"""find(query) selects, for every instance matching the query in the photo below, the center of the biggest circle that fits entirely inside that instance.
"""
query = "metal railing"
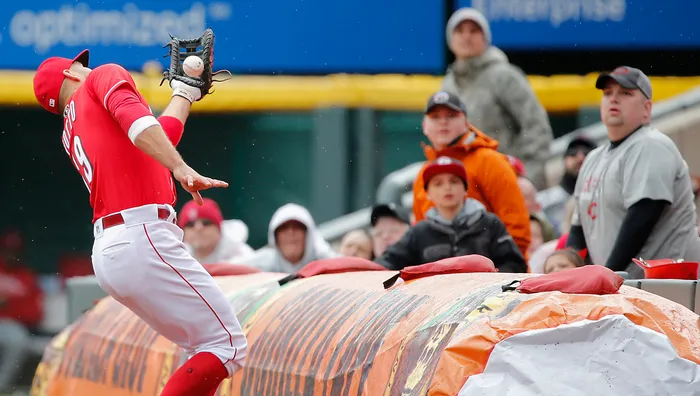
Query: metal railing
(396, 186)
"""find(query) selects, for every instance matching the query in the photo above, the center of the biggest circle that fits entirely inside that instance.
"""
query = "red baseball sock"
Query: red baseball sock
(199, 376)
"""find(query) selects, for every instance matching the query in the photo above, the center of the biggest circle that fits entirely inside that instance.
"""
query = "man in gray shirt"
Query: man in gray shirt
(633, 196)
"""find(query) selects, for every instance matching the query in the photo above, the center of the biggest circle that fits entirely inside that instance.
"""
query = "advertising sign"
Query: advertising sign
(590, 24)
(276, 36)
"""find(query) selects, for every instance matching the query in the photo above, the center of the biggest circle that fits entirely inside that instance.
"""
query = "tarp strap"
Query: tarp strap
(288, 279)
(512, 286)
(391, 281)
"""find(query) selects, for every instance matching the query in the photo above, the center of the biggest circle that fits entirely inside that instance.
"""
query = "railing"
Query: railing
(396, 186)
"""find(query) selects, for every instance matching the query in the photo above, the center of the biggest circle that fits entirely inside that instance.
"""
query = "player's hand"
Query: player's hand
(193, 182)
(192, 94)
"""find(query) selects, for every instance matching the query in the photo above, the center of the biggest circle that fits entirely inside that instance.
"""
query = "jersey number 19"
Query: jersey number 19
(75, 148)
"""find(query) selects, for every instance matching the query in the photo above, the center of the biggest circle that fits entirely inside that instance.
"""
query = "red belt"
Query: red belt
(117, 219)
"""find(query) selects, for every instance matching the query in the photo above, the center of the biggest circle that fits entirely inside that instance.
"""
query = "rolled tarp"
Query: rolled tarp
(344, 334)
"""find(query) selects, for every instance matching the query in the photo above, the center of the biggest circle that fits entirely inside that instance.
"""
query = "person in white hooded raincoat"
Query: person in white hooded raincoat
(293, 242)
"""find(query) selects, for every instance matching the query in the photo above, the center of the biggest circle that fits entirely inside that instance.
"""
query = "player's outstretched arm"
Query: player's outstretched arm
(179, 108)
(154, 142)
(175, 114)
(174, 117)
(146, 132)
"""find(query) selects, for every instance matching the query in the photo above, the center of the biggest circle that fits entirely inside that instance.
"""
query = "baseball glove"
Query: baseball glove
(203, 47)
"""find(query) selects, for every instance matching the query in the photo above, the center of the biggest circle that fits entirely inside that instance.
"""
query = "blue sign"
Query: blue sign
(591, 24)
(252, 36)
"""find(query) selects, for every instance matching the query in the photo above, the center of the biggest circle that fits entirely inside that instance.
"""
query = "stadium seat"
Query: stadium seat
(681, 291)
(83, 293)
(623, 274)
(632, 283)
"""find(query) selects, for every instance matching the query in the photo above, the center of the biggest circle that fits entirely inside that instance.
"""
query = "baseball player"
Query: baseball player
(125, 156)
(633, 196)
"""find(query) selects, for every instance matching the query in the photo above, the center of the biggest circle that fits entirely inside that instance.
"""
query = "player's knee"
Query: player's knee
(231, 357)
(231, 347)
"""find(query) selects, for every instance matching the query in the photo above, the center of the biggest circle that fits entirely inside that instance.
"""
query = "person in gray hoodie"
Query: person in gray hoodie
(455, 226)
(293, 242)
(497, 94)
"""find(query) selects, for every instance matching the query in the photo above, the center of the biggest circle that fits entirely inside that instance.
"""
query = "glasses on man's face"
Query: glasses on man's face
(572, 152)
(203, 222)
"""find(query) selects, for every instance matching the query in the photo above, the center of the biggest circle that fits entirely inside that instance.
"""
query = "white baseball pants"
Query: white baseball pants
(144, 265)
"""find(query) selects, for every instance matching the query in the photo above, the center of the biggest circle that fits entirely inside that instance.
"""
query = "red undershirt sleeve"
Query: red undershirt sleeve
(173, 127)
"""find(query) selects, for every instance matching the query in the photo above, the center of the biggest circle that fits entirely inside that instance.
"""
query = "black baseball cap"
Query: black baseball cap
(627, 77)
(446, 99)
(579, 142)
(389, 210)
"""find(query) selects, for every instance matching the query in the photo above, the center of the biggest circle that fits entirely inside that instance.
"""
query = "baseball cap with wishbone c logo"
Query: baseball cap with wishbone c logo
(49, 78)
(446, 99)
(444, 165)
(627, 77)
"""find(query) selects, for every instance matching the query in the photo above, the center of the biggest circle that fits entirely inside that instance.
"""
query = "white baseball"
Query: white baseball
(193, 66)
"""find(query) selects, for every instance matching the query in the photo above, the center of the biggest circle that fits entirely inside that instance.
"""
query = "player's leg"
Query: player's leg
(185, 377)
(199, 375)
(150, 271)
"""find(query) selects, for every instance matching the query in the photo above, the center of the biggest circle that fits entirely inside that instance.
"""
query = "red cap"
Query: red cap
(209, 210)
(518, 165)
(444, 165)
(49, 78)
(561, 242)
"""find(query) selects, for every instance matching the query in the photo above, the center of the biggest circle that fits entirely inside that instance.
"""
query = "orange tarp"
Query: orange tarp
(343, 334)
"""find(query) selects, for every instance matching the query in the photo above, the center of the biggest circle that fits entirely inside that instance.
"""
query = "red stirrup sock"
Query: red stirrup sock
(199, 376)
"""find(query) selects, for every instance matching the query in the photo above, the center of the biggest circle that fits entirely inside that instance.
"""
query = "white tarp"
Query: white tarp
(610, 356)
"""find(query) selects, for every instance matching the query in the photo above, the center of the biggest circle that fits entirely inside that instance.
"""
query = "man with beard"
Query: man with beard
(553, 200)
(634, 197)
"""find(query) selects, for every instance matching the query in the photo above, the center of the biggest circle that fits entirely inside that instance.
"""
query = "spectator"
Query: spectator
(389, 224)
(454, 227)
(568, 214)
(529, 194)
(562, 260)
(540, 255)
(293, 242)
(566, 226)
(540, 232)
(21, 308)
(554, 198)
(634, 196)
(536, 238)
(497, 94)
(517, 165)
(545, 227)
(492, 180)
(357, 243)
(204, 235)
